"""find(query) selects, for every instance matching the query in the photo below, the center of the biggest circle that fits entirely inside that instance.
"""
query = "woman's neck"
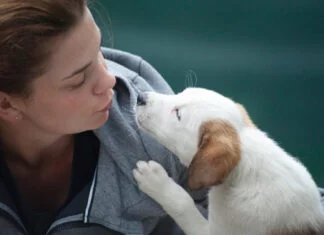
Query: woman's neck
(30, 147)
(40, 163)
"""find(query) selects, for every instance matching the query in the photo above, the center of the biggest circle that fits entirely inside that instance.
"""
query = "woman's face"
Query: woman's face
(75, 93)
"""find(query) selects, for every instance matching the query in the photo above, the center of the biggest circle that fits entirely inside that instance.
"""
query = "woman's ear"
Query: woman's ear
(218, 153)
(7, 110)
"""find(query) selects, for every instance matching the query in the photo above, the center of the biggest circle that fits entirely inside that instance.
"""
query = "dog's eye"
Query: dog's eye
(177, 111)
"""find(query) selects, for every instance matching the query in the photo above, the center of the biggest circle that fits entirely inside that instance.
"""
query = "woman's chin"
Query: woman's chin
(101, 120)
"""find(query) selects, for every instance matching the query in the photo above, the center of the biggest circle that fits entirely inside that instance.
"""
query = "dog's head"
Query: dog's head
(199, 126)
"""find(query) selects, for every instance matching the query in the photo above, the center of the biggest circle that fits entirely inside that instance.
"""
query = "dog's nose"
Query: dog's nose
(141, 99)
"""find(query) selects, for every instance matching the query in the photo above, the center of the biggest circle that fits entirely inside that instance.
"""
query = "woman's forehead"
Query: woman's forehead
(75, 48)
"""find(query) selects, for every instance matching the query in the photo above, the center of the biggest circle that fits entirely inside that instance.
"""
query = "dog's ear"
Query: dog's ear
(218, 153)
(247, 120)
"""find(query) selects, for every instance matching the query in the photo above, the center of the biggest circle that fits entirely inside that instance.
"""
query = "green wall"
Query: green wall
(268, 55)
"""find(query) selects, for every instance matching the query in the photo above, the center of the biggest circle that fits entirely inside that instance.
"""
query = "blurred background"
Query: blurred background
(267, 55)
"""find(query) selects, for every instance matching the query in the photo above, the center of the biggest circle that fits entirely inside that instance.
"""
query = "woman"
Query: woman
(68, 136)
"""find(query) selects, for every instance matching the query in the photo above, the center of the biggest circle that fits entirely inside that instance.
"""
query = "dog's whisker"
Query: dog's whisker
(191, 79)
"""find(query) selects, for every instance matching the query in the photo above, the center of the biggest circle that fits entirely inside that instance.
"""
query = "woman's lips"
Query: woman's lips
(107, 107)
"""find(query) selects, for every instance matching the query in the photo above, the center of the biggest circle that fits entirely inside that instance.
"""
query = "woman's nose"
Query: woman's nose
(105, 82)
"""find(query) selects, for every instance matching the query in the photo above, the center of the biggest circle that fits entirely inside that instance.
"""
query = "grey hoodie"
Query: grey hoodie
(113, 199)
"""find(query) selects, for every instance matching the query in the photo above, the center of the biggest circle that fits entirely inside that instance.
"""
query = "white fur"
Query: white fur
(268, 191)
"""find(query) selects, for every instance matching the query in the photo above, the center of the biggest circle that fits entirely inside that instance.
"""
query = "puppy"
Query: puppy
(256, 188)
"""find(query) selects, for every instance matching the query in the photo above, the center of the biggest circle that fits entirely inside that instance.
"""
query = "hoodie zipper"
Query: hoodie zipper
(79, 223)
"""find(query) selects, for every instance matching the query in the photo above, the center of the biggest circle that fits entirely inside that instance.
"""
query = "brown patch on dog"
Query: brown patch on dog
(218, 153)
(247, 120)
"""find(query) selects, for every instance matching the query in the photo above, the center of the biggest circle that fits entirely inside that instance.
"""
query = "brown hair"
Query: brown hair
(27, 28)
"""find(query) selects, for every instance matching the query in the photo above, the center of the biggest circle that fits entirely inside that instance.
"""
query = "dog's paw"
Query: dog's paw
(151, 178)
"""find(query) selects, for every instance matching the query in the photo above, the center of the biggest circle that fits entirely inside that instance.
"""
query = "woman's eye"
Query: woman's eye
(75, 86)
(177, 112)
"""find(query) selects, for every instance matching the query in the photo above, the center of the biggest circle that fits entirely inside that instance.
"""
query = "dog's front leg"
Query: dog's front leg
(154, 181)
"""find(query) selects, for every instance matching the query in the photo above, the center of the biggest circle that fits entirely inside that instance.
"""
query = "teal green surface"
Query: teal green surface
(268, 55)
